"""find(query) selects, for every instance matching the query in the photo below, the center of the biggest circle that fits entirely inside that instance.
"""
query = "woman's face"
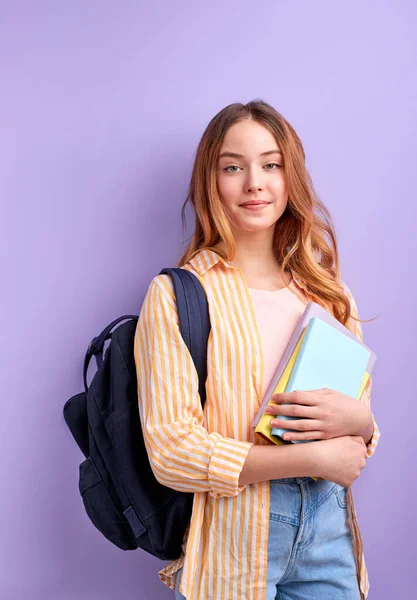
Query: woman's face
(253, 175)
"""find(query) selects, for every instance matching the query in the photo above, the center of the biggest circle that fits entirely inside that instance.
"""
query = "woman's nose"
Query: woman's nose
(254, 181)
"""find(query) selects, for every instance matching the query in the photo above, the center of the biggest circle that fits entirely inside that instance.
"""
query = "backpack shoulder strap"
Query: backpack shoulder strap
(194, 319)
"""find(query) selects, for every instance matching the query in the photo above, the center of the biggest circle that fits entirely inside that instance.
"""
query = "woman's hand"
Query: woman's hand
(324, 413)
(340, 460)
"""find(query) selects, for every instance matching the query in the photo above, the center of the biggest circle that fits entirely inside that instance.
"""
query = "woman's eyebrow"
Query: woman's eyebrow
(236, 155)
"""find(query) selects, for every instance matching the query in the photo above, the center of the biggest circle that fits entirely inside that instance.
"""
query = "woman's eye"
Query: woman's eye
(236, 167)
(276, 164)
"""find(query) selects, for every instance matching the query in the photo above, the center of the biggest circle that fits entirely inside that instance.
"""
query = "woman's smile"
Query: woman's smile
(256, 207)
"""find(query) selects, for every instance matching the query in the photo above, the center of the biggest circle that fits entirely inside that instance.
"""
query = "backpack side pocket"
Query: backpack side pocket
(101, 508)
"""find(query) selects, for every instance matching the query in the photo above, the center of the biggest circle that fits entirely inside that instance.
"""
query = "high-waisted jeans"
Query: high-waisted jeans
(310, 547)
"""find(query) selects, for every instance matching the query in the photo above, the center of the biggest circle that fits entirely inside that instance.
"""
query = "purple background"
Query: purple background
(101, 109)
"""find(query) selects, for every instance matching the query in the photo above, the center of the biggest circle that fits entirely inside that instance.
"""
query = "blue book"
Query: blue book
(327, 358)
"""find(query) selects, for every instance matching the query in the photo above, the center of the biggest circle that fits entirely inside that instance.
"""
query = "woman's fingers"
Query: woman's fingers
(308, 435)
(292, 410)
(296, 424)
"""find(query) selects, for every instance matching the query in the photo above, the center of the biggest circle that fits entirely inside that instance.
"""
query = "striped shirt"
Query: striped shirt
(225, 547)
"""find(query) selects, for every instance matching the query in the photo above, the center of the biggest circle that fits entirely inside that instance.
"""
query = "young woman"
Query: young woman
(263, 246)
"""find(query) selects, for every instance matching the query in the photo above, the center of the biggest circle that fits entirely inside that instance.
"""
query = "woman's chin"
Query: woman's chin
(255, 227)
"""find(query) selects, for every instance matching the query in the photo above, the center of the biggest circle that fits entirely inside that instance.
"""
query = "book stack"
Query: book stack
(322, 353)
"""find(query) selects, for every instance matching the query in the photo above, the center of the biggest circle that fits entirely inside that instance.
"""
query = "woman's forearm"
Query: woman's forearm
(264, 463)
(368, 431)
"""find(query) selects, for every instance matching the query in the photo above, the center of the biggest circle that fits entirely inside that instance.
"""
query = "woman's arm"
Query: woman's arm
(181, 452)
(371, 434)
(368, 430)
(272, 462)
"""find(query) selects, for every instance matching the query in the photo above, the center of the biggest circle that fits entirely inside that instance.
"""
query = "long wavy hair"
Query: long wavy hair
(304, 239)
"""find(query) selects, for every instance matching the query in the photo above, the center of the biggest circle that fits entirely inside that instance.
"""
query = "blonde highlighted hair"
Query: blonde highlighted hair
(304, 239)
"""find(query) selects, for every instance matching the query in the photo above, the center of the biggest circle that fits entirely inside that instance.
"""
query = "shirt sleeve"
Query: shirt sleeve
(183, 455)
(356, 328)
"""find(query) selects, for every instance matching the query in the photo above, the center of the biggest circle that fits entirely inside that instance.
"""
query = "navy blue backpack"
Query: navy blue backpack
(120, 493)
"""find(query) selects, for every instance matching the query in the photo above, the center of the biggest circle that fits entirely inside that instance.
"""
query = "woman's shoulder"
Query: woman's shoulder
(162, 285)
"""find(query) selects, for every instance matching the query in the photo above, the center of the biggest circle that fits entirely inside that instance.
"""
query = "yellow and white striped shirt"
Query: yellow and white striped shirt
(225, 547)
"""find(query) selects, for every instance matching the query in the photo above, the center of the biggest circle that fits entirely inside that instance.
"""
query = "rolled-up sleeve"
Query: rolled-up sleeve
(356, 327)
(183, 455)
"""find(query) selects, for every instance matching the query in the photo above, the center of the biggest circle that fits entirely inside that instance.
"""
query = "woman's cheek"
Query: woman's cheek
(228, 190)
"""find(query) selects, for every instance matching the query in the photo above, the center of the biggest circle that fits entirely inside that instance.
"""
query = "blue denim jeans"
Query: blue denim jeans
(310, 547)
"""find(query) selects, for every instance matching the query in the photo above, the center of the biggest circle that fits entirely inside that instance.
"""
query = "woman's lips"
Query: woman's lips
(255, 207)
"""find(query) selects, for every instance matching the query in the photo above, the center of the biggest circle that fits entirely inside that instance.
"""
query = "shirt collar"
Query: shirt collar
(206, 258)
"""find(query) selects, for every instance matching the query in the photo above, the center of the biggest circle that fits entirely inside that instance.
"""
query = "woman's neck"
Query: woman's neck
(259, 266)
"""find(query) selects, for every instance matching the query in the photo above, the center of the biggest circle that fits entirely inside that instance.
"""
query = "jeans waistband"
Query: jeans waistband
(289, 480)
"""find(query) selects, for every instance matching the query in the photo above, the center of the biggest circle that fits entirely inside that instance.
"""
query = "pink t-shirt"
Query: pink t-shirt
(277, 314)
